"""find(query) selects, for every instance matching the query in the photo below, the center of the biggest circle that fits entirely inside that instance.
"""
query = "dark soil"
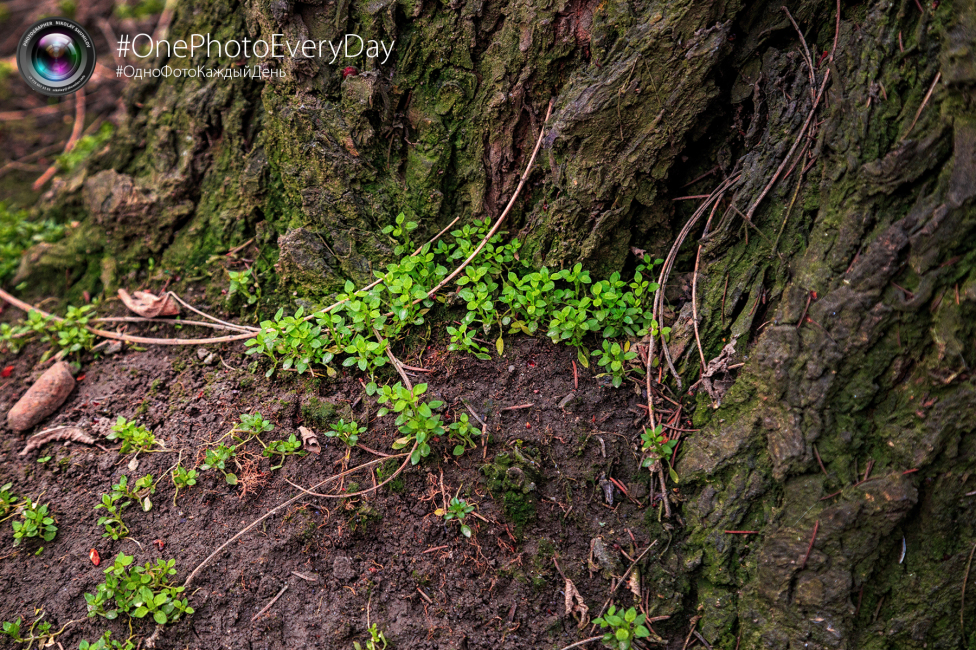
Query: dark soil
(383, 558)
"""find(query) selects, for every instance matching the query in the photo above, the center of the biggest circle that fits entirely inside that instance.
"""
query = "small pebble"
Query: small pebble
(511, 368)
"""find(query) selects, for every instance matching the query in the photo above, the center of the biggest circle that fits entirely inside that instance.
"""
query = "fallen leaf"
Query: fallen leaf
(6, 371)
(149, 306)
(634, 583)
(133, 464)
(575, 604)
(310, 441)
(93, 556)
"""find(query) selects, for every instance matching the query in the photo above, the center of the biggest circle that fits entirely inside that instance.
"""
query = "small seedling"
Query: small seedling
(39, 631)
(36, 523)
(245, 284)
(105, 642)
(457, 509)
(290, 447)
(8, 500)
(624, 628)
(134, 437)
(658, 448)
(218, 458)
(347, 432)
(183, 479)
(376, 640)
(613, 357)
(414, 418)
(254, 424)
(112, 521)
(463, 432)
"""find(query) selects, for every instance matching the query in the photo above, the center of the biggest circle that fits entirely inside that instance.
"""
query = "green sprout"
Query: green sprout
(36, 523)
(457, 509)
(376, 640)
(290, 447)
(624, 628)
(463, 432)
(614, 358)
(139, 592)
(658, 448)
(347, 432)
(218, 458)
(134, 437)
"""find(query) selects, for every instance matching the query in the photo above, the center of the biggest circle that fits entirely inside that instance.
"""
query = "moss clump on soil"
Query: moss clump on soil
(319, 413)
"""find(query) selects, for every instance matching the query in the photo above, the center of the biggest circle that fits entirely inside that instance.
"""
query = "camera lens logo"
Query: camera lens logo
(56, 56)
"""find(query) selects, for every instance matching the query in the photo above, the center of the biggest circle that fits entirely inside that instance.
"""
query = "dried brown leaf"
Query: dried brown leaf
(149, 306)
(575, 604)
(310, 441)
(58, 433)
(634, 583)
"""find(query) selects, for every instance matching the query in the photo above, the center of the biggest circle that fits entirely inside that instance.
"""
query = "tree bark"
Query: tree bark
(846, 289)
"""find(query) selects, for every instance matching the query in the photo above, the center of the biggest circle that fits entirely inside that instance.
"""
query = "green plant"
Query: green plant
(244, 283)
(401, 228)
(291, 340)
(13, 337)
(658, 448)
(614, 359)
(462, 340)
(376, 640)
(347, 432)
(8, 500)
(414, 418)
(138, 592)
(36, 523)
(39, 631)
(254, 424)
(112, 522)
(183, 479)
(624, 628)
(365, 353)
(134, 437)
(218, 458)
(290, 447)
(105, 642)
(457, 509)
(570, 324)
(463, 432)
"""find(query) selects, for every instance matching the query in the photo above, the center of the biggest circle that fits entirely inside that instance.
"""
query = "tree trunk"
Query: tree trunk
(847, 290)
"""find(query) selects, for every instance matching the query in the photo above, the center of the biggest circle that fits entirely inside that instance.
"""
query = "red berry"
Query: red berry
(350, 72)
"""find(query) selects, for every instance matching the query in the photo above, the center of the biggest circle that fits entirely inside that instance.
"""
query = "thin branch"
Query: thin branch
(76, 131)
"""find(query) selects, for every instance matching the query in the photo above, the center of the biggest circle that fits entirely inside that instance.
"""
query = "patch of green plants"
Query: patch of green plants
(139, 592)
(18, 233)
(39, 631)
(457, 509)
(134, 437)
(37, 522)
(376, 640)
(217, 458)
(183, 479)
(462, 432)
(658, 448)
(614, 359)
(106, 642)
(347, 432)
(622, 629)
(416, 419)
(291, 341)
(282, 449)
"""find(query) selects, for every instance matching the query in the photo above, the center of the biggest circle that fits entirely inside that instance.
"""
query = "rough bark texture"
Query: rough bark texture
(857, 331)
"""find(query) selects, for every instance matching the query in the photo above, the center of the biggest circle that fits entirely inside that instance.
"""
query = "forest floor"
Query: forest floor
(386, 558)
